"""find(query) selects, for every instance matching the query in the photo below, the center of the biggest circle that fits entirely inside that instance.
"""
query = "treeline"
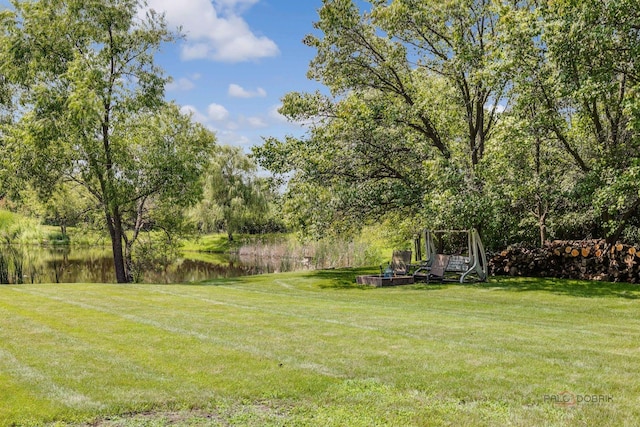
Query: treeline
(518, 118)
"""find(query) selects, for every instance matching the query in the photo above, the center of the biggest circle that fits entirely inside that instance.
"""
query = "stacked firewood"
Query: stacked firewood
(571, 259)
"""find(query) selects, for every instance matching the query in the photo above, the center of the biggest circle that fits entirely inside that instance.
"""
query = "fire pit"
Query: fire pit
(380, 280)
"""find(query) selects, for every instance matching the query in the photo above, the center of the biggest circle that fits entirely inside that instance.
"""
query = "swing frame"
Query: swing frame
(471, 267)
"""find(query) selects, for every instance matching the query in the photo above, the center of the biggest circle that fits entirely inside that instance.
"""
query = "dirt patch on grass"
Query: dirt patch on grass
(189, 418)
(260, 414)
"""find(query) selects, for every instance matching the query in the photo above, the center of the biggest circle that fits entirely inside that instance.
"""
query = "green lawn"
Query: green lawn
(314, 349)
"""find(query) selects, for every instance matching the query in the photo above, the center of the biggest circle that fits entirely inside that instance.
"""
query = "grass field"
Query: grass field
(313, 349)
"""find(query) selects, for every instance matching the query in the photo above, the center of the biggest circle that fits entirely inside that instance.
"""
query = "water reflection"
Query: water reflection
(34, 264)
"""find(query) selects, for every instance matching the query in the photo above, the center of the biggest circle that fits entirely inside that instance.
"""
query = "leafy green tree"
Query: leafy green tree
(163, 167)
(357, 163)
(93, 110)
(233, 195)
(414, 95)
(67, 205)
(6, 116)
(576, 61)
(418, 90)
(394, 47)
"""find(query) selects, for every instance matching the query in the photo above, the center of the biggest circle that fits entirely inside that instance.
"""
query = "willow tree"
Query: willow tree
(93, 110)
(234, 196)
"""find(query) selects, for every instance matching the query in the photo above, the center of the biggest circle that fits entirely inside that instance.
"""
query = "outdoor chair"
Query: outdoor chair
(400, 262)
(438, 268)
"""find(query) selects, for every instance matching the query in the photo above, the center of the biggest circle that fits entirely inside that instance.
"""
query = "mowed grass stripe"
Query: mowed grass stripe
(429, 319)
(61, 395)
(427, 327)
(190, 370)
(474, 355)
(140, 304)
(457, 336)
(64, 341)
(196, 331)
(103, 365)
(408, 299)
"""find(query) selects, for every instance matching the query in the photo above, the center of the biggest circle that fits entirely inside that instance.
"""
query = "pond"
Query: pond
(36, 264)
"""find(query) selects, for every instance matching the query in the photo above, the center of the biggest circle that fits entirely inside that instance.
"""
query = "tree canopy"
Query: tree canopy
(519, 118)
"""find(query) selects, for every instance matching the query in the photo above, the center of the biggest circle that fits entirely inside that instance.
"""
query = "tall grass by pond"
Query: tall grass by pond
(328, 253)
(12, 265)
(15, 228)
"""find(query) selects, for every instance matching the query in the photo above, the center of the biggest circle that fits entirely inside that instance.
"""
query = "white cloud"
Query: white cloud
(237, 131)
(182, 84)
(215, 30)
(217, 112)
(274, 114)
(257, 122)
(193, 111)
(238, 91)
(232, 126)
(226, 137)
(235, 4)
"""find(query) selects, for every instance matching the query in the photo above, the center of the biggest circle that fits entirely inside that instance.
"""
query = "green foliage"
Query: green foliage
(154, 253)
(94, 114)
(67, 205)
(517, 118)
(16, 228)
(411, 91)
(234, 196)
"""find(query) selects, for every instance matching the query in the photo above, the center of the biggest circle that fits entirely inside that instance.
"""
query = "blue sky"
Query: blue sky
(238, 59)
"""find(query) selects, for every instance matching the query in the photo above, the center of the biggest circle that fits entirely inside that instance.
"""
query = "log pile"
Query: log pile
(571, 259)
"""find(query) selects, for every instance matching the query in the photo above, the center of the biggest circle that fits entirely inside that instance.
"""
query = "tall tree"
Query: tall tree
(92, 91)
(415, 90)
(366, 162)
(393, 47)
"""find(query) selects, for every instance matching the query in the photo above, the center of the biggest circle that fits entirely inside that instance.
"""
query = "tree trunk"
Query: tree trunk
(543, 231)
(115, 232)
(128, 261)
(128, 242)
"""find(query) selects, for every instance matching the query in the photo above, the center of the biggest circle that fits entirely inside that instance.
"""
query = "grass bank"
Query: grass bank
(314, 349)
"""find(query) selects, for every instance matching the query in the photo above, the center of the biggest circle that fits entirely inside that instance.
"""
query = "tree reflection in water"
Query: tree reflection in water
(95, 265)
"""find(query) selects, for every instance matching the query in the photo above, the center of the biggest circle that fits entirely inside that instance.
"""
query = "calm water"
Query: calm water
(67, 265)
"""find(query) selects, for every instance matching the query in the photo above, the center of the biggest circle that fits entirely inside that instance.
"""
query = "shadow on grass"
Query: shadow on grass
(346, 279)
(577, 288)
